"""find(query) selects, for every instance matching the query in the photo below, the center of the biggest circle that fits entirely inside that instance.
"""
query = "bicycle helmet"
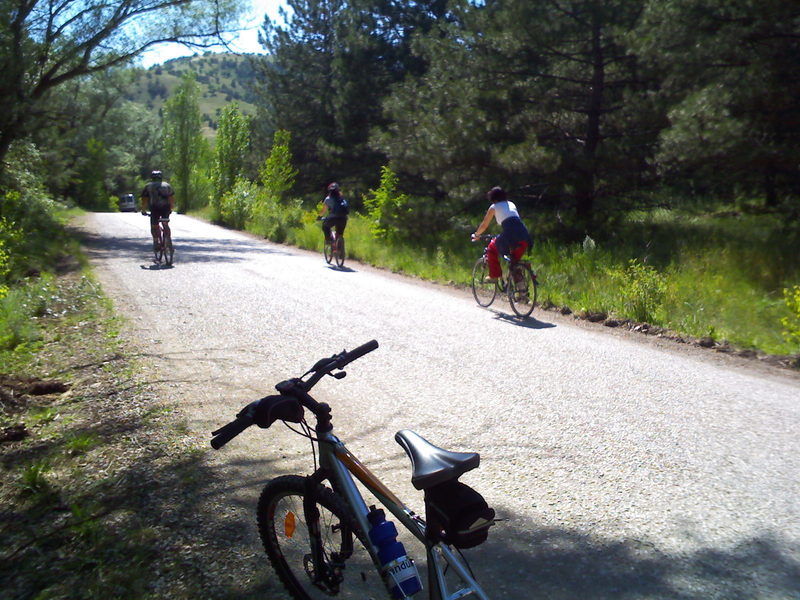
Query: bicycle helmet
(156, 176)
(334, 187)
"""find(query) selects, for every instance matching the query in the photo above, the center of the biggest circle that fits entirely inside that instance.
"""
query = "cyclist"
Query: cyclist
(336, 205)
(514, 240)
(159, 197)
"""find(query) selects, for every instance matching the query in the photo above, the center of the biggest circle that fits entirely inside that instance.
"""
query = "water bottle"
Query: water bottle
(397, 566)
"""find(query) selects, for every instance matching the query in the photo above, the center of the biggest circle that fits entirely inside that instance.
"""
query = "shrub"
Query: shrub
(236, 205)
(642, 289)
(273, 219)
(792, 323)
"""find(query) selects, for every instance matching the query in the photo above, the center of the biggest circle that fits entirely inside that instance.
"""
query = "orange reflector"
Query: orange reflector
(289, 524)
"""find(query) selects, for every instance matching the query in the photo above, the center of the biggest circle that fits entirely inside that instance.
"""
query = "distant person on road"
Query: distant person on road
(514, 240)
(334, 212)
(159, 198)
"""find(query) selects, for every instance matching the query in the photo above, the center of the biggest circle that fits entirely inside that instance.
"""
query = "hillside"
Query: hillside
(223, 78)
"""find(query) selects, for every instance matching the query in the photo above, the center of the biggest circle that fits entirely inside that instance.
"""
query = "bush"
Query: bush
(406, 219)
(236, 205)
(18, 309)
(273, 219)
(642, 290)
(792, 323)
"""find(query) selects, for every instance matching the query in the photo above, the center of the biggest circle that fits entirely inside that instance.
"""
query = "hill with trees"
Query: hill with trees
(222, 78)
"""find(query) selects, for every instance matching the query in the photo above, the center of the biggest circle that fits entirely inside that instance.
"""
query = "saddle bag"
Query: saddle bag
(457, 515)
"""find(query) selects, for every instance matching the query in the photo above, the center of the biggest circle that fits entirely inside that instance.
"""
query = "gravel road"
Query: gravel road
(626, 468)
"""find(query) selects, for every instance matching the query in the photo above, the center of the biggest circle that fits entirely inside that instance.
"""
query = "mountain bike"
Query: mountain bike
(333, 249)
(324, 541)
(163, 249)
(519, 283)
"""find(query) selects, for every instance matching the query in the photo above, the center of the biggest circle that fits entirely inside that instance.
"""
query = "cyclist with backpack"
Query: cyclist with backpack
(159, 198)
(334, 212)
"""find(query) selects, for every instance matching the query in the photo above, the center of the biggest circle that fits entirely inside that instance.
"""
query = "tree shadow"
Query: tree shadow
(187, 250)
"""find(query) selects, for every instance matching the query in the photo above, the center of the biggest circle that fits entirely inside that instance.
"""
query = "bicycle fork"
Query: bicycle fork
(326, 572)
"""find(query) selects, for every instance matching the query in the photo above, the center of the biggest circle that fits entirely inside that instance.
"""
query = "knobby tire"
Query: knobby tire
(289, 550)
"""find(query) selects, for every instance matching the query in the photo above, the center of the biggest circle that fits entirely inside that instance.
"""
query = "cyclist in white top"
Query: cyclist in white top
(514, 240)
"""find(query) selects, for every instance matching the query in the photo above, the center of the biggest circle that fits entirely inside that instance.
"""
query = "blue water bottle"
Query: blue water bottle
(397, 566)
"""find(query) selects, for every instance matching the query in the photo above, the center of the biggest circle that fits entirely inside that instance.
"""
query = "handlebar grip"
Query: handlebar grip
(360, 351)
(226, 433)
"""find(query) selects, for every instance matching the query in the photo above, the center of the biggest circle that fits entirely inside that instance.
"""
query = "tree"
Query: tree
(44, 44)
(278, 174)
(183, 138)
(326, 76)
(730, 80)
(526, 93)
(233, 139)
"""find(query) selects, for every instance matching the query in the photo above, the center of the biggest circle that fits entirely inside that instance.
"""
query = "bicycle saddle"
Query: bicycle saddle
(431, 465)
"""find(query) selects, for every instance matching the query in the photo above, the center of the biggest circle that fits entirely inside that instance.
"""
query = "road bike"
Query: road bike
(163, 249)
(333, 249)
(324, 541)
(520, 283)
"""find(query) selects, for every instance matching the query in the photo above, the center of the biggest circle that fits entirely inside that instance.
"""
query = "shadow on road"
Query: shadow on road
(187, 250)
(528, 322)
(517, 564)
(342, 269)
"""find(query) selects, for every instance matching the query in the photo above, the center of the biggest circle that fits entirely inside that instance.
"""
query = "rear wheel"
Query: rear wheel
(339, 252)
(169, 251)
(522, 290)
(158, 251)
(282, 524)
(483, 289)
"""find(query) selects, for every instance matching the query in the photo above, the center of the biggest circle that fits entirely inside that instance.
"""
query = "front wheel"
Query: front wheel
(522, 290)
(483, 289)
(348, 570)
(339, 252)
(327, 251)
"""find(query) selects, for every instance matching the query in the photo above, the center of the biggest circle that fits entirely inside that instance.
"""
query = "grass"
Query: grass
(699, 274)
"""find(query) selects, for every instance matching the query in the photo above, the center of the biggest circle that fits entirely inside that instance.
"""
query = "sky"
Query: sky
(245, 42)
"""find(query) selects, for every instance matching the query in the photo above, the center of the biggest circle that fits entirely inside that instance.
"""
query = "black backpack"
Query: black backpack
(340, 208)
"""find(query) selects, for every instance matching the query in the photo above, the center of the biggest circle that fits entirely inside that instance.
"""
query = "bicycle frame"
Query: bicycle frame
(339, 466)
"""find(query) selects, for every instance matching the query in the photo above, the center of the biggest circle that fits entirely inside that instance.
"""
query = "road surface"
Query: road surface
(626, 469)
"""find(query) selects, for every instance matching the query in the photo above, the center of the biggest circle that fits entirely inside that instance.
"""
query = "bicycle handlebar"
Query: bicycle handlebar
(288, 405)
(226, 433)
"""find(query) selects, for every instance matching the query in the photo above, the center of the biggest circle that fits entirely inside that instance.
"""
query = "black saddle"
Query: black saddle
(432, 465)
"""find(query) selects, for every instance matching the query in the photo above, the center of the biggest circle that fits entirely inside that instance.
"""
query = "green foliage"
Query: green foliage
(34, 483)
(233, 138)
(18, 310)
(278, 174)
(182, 138)
(236, 205)
(90, 185)
(387, 208)
(396, 215)
(30, 231)
(791, 322)
(641, 290)
(274, 220)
